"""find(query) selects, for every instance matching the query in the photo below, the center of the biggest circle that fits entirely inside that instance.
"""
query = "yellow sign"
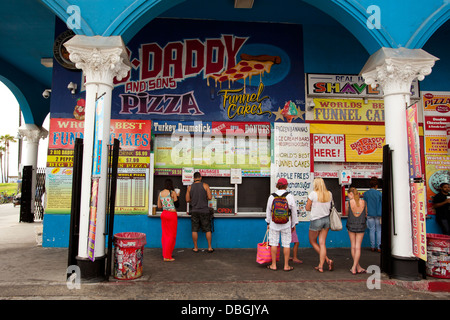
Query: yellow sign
(360, 148)
(418, 220)
(436, 145)
(348, 110)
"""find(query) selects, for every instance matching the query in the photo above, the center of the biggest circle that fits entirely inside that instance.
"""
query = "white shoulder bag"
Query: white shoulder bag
(335, 218)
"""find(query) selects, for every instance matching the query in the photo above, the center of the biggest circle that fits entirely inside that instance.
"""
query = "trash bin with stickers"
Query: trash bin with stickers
(128, 255)
(438, 255)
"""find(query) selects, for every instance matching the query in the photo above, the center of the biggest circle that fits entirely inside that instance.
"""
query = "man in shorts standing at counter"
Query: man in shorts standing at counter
(198, 195)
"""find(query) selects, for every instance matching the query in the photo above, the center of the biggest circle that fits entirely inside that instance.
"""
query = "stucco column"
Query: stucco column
(32, 134)
(101, 59)
(394, 70)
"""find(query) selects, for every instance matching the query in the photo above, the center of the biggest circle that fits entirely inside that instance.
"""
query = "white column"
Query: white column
(394, 70)
(101, 59)
(32, 134)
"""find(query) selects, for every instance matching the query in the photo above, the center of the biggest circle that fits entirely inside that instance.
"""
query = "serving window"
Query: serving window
(214, 149)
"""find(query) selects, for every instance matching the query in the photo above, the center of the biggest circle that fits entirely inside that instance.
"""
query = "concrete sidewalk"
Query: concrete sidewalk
(29, 271)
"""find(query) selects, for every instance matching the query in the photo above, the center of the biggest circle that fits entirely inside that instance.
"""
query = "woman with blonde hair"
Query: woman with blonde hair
(356, 226)
(319, 203)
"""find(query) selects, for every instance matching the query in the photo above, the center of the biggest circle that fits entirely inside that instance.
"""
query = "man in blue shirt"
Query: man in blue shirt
(373, 199)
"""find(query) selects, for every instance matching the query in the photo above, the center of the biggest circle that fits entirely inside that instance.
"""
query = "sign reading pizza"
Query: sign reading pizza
(436, 116)
(203, 70)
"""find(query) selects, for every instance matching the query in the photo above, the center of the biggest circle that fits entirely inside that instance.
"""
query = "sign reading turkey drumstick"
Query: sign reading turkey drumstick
(247, 68)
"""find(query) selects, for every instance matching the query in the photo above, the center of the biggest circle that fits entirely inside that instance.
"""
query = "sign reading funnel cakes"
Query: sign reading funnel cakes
(78, 113)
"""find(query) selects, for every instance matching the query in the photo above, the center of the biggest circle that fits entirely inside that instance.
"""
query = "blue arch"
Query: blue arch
(119, 17)
(403, 23)
(23, 103)
(28, 93)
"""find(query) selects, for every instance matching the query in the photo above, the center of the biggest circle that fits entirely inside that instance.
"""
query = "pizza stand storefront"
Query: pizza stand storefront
(228, 103)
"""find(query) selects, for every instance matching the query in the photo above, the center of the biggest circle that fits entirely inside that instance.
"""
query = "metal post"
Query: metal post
(76, 197)
(114, 160)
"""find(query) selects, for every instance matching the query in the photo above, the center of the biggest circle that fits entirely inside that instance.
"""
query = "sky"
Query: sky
(9, 124)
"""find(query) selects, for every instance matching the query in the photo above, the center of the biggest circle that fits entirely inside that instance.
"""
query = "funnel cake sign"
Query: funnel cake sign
(212, 71)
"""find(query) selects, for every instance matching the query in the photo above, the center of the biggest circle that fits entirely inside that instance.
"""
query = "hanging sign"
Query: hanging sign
(448, 139)
(98, 136)
(412, 129)
(345, 177)
(235, 176)
(187, 176)
(93, 219)
(418, 220)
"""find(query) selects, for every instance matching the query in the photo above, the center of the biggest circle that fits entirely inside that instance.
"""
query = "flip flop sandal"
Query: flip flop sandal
(361, 272)
(331, 265)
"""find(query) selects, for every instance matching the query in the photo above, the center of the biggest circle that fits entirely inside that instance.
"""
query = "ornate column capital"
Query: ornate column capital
(32, 133)
(395, 69)
(100, 58)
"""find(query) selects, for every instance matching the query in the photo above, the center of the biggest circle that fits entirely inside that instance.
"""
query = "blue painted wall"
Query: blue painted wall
(229, 232)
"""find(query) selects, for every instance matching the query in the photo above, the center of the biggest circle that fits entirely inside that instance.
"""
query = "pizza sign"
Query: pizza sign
(163, 67)
(160, 69)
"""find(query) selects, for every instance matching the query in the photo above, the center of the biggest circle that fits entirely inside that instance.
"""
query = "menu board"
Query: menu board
(133, 166)
(211, 145)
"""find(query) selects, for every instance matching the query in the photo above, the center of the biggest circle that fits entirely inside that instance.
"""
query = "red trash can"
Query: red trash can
(438, 255)
(128, 255)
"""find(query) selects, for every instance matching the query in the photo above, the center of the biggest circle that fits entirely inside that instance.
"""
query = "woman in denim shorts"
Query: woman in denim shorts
(319, 203)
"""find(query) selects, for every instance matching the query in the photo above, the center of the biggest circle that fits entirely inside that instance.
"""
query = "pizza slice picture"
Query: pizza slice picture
(248, 67)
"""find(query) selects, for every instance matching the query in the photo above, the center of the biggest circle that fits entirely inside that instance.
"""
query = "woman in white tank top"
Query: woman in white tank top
(319, 203)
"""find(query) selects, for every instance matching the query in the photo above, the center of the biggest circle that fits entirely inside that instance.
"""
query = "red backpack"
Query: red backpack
(280, 208)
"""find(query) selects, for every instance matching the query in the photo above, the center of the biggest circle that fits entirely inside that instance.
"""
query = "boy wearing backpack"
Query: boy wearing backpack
(281, 218)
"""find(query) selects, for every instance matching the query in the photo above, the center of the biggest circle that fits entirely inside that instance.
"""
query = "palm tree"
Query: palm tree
(2, 150)
(6, 139)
